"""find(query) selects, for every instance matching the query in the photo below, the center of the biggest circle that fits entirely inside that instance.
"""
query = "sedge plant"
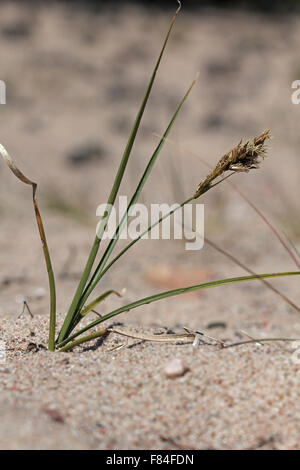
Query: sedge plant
(244, 157)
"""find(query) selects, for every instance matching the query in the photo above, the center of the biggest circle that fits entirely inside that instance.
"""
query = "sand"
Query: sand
(71, 81)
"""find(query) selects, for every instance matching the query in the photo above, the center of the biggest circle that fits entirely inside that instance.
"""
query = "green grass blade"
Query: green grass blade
(174, 292)
(51, 279)
(84, 339)
(70, 315)
(113, 194)
(97, 301)
(137, 122)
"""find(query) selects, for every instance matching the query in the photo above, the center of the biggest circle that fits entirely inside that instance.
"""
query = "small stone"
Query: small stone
(175, 368)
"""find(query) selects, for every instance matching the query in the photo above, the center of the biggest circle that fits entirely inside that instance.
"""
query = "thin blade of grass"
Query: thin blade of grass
(172, 293)
(97, 301)
(10, 163)
(84, 339)
(114, 191)
(260, 340)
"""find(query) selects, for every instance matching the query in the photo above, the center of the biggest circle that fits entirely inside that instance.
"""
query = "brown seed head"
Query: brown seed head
(243, 158)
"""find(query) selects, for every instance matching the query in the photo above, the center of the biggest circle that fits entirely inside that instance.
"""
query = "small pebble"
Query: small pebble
(175, 368)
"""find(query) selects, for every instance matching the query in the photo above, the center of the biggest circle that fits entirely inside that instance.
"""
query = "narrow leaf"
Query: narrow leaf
(10, 163)
(97, 301)
(84, 339)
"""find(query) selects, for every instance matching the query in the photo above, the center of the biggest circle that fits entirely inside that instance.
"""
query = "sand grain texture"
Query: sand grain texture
(73, 84)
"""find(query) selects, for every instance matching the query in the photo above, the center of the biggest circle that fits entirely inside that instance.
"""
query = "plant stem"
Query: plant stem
(84, 339)
(260, 340)
(79, 290)
(51, 279)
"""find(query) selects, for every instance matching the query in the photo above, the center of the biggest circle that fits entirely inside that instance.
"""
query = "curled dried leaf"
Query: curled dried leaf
(13, 167)
(18, 173)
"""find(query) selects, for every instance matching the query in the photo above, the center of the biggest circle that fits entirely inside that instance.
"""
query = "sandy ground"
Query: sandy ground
(74, 80)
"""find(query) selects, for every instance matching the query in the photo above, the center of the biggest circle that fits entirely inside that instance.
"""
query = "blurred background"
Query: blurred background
(75, 73)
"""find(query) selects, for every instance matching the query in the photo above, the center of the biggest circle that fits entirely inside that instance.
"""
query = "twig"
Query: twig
(250, 337)
(25, 305)
(165, 338)
(260, 340)
(97, 313)
(201, 333)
